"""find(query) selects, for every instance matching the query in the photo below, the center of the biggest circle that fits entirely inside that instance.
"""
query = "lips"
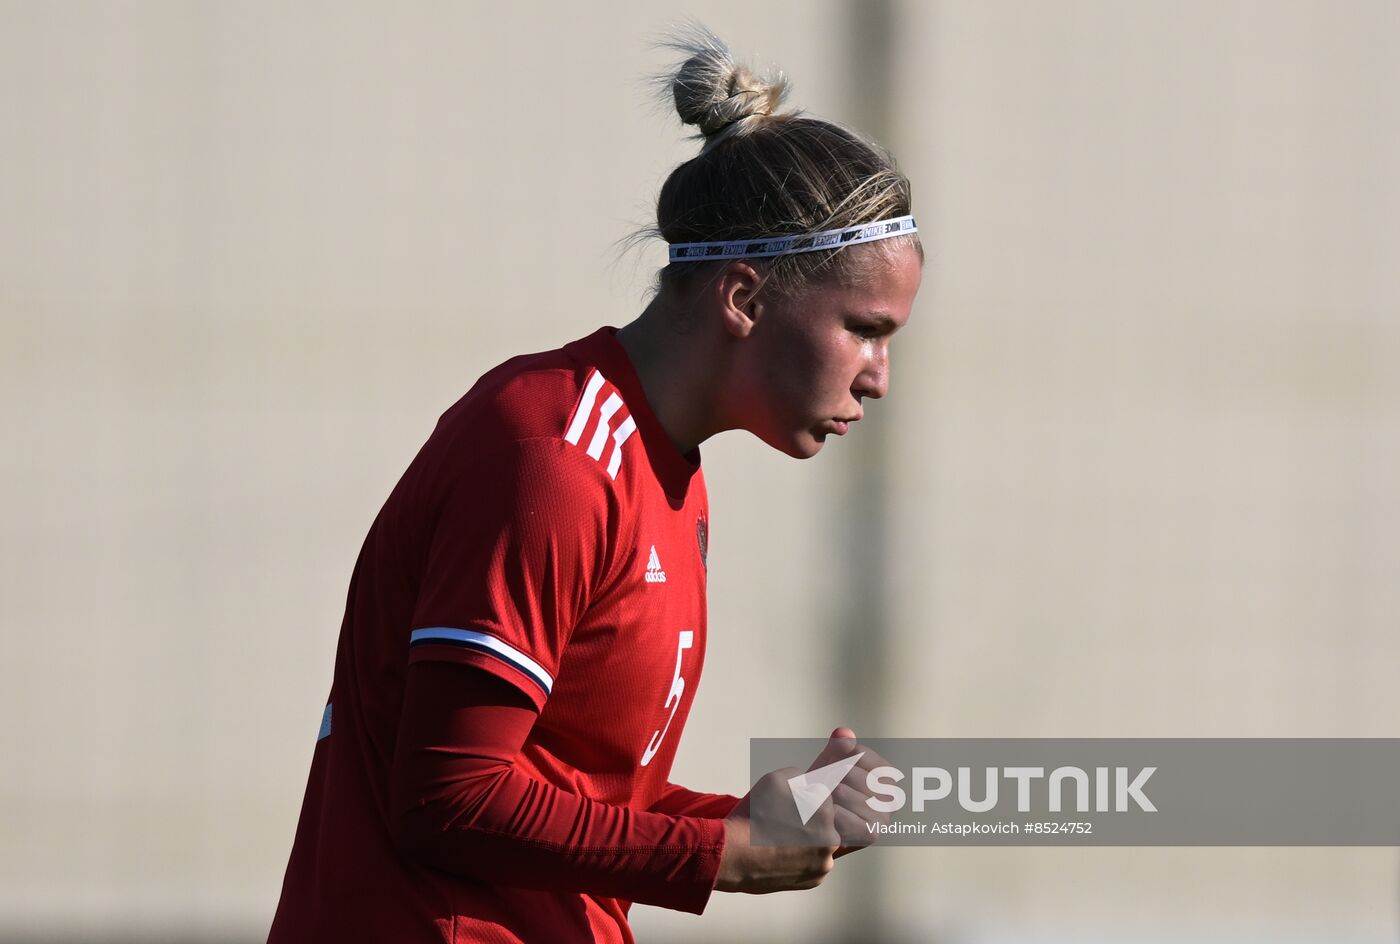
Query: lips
(838, 425)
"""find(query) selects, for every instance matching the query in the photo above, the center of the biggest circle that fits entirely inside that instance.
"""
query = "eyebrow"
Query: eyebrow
(878, 319)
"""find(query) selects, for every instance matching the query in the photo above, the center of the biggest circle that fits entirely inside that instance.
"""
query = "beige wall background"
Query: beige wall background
(1141, 449)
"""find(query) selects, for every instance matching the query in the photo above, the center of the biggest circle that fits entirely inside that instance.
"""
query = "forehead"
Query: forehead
(884, 283)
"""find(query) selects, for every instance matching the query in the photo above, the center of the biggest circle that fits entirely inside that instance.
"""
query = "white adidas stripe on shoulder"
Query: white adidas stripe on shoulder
(588, 413)
(584, 408)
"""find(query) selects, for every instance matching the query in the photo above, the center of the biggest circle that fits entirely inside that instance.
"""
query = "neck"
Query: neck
(675, 368)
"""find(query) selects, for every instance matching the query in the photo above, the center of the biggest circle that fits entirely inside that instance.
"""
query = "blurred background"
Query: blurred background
(1136, 478)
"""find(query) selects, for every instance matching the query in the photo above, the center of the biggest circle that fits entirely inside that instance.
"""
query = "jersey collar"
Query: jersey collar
(673, 468)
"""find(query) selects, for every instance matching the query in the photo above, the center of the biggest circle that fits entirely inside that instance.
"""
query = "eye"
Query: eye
(867, 331)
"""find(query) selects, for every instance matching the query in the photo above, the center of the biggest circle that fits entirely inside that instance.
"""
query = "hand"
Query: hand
(806, 854)
(855, 820)
(758, 870)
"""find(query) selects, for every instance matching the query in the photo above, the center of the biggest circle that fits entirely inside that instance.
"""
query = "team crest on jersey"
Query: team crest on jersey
(654, 572)
(702, 534)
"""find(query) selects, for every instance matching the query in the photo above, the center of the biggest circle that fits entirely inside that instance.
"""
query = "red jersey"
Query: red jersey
(548, 533)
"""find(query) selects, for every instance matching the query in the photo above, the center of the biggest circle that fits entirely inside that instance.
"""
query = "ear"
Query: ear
(736, 289)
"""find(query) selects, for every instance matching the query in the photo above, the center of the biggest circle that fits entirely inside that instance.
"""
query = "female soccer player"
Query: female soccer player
(525, 625)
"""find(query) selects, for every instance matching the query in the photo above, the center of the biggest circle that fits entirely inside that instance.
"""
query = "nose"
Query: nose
(874, 378)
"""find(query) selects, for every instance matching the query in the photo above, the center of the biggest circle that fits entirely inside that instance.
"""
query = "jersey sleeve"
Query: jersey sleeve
(681, 801)
(460, 804)
(523, 540)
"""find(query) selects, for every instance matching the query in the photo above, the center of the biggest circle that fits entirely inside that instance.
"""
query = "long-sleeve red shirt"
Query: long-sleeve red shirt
(522, 641)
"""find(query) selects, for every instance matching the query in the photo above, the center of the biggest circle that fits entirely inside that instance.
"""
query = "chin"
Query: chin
(800, 445)
(804, 445)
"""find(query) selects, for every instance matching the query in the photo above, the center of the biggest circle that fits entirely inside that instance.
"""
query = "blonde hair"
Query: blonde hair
(762, 172)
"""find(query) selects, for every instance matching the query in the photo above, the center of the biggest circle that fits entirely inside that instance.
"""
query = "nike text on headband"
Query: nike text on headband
(782, 245)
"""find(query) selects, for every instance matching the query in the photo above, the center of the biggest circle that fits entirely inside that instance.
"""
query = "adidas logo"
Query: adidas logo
(654, 572)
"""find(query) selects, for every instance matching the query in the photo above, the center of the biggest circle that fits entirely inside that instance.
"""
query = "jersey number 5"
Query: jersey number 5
(673, 699)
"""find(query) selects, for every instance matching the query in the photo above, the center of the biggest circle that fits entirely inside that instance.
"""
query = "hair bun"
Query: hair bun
(713, 92)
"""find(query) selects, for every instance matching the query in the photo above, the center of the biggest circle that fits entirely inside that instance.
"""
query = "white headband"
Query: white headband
(781, 245)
